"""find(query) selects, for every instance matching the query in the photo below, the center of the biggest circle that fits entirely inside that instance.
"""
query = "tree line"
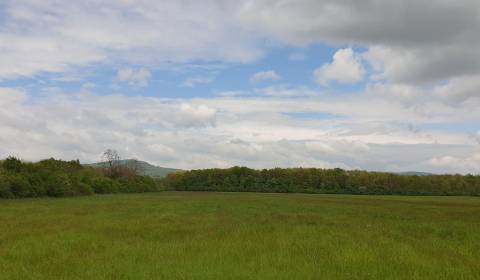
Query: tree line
(315, 180)
(57, 178)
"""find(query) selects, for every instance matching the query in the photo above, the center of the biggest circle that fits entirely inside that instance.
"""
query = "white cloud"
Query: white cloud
(346, 67)
(11, 96)
(88, 85)
(138, 77)
(405, 94)
(357, 132)
(195, 116)
(234, 93)
(283, 91)
(52, 36)
(455, 164)
(457, 90)
(48, 36)
(425, 63)
(265, 76)
(430, 41)
(193, 81)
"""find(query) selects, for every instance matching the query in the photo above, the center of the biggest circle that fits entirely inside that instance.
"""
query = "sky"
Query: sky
(373, 85)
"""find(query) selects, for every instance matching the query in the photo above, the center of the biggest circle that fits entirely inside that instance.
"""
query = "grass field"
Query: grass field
(185, 235)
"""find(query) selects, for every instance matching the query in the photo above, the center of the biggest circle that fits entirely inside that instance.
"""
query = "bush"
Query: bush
(59, 185)
(138, 184)
(37, 184)
(65, 178)
(84, 189)
(104, 185)
(19, 186)
(5, 191)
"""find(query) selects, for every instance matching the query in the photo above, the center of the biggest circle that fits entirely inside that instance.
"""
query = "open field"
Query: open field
(186, 235)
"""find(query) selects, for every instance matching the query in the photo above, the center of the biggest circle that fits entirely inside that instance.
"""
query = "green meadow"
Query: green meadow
(205, 235)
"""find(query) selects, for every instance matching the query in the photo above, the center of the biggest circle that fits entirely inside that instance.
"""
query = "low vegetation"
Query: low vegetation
(313, 180)
(205, 235)
(58, 178)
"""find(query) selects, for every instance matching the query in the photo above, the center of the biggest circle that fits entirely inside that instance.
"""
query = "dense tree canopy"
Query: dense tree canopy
(66, 178)
(58, 178)
(314, 180)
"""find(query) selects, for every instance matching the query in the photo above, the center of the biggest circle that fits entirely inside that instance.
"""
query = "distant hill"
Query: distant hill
(144, 167)
(415, 173)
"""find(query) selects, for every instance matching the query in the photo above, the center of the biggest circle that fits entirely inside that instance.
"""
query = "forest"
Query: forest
(57, 178)
(315, 180)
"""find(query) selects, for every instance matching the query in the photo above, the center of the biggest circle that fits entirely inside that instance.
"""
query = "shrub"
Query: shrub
(65, 178)
(102, 184)
(58, 184)
(83, 189)
(5, 191)
(137, 184)
(19, 185)
(37, 185)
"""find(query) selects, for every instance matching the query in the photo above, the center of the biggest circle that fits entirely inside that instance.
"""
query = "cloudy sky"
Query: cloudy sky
(376, 85)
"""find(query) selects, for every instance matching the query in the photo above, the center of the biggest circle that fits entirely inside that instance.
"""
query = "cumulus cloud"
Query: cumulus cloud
(455, 164)
(416, 41)
(421, 59)
(221, 132)
(408, 41)
(422, 65)
(265, 76)
(52, 36)
(346, 67)
(457, 90)
(81, 125)
(197, 116)
(138, 77)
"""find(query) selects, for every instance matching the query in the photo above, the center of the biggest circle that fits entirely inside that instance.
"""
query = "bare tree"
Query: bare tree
(111, 158)
(115, 168)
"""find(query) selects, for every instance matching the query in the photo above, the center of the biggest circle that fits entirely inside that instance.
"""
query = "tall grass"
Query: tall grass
(187, 235)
